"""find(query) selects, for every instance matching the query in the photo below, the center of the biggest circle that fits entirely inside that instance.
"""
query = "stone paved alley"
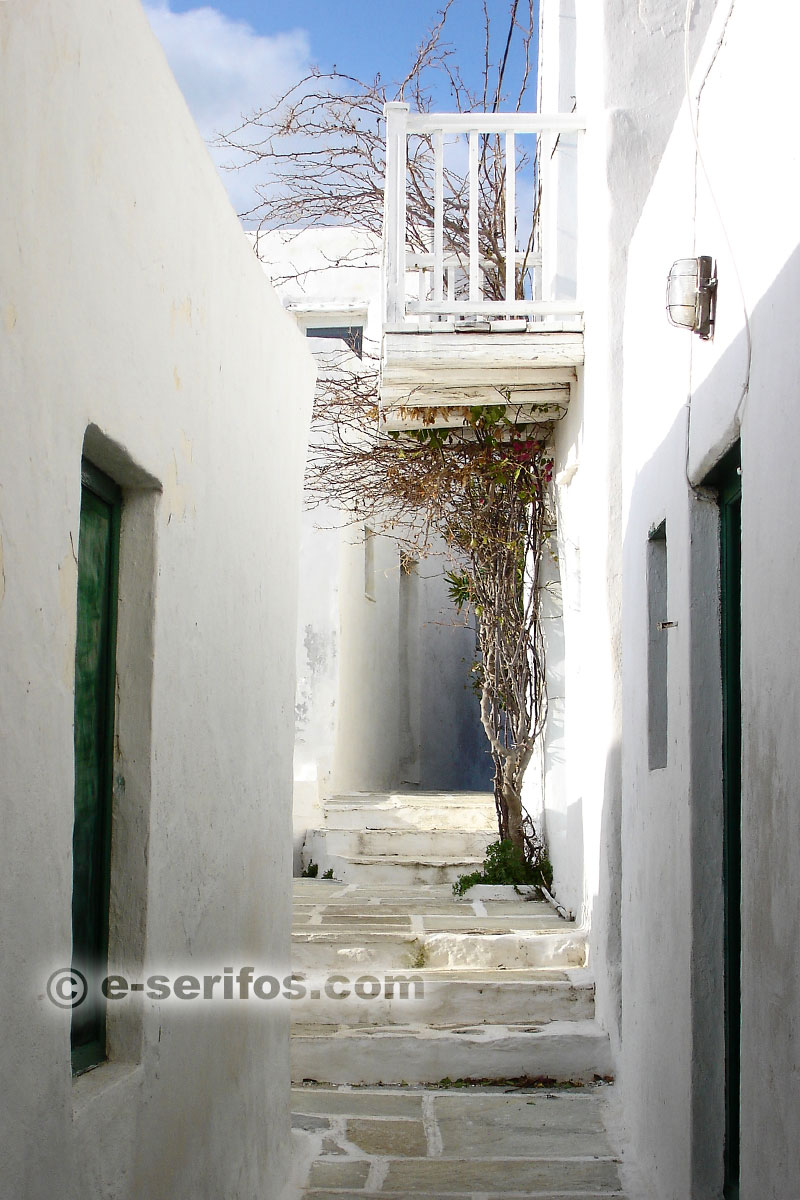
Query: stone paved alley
(381, 1104)
(478, 1142)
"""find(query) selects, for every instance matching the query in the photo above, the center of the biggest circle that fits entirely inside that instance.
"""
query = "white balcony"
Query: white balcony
(476, 309)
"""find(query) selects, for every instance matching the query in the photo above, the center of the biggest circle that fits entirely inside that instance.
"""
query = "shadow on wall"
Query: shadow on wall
(565, 845)
(452, 751)
(622, 809)
(638, 165)
(472, 769)
(606, 908)
(673, 817)
(672, 877)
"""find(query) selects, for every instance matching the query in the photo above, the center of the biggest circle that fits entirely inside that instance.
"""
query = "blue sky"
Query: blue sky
(359, 36)
(233, 56)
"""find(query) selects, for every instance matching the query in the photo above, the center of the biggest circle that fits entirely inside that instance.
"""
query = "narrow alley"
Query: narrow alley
(444, 1045)
(399, 438)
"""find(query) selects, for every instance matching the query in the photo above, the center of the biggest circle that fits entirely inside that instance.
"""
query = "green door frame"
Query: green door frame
(95, 688)
(729, 486)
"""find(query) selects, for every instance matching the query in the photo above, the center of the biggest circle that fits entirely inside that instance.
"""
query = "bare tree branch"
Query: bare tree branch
(483, 485)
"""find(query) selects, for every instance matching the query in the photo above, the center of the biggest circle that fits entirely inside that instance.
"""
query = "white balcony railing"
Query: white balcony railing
(452, 273)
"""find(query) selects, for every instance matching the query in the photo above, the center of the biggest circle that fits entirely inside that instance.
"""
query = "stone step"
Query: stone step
(433, 997)
(506, 903)
(397, 843)
(321, 949)
(423, 1053)
(361, 920)
(505, 996)
(379, 869)
(464, 1171)
(412, 810)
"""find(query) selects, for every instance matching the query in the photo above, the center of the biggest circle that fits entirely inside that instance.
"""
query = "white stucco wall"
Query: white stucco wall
(672, 852)
(131, 306)
(646, 848)
(581, 806)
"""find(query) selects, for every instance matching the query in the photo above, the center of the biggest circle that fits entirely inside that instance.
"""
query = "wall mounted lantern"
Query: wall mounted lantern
(692, 294)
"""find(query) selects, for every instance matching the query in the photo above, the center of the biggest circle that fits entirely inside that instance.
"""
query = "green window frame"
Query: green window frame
(726, 479)
(95, 689)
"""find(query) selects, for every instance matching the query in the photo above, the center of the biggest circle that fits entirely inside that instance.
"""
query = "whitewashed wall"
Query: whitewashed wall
(131, 307)
(673, 893)
(581, 803)
(655, 410)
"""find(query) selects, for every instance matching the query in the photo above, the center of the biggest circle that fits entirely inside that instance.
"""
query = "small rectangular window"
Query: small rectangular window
(657, 641)
(95, 676)
(351, 335)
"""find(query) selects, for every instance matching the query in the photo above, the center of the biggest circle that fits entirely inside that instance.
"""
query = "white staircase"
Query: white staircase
(402, 837)
(438, 988)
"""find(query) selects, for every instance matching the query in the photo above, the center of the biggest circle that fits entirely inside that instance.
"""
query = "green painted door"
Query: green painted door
(94, 733)
(730, 506)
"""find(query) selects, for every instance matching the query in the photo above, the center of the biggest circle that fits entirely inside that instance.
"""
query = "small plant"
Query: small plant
(328, 874)
(504, 864)
(420, 958)
(310, 871)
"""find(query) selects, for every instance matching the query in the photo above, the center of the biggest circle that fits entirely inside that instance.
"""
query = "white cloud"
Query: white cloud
(225, 69)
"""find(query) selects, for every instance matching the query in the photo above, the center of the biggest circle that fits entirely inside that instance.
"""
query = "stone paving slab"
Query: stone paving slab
(356, 1102)
(428, 1177)
(338, 1173)
(388, 1139)
(421, 1176)
(573, 1111)
(477, 1143)
(553, 1143)
(431, 906)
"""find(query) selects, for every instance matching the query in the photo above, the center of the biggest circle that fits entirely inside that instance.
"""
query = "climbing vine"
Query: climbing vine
(481, 486)
(475, 476)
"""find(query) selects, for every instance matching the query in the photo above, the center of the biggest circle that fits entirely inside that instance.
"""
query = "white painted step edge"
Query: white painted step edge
(564, 1050)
